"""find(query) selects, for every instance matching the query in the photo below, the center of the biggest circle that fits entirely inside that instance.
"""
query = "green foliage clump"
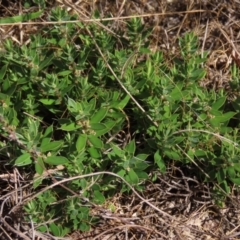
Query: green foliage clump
(61, 105)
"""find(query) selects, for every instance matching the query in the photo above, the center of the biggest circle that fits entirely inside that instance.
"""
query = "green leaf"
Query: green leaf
(130, 147)
(121, 173)
(142, 156)
(46, 62)
(158, 160)
(176, 93)
(3, 71)
(231, 172)
(139, 164)
(48, 131)
(99, 116)
(200, 153)
(132, 177)
(56, 160)
(21, 18)
(69, 126)
(219, 103)
(215, 121)
(37, 182)
(172, 154)
(197, 74)
(23, 160)
(119, 152)
(142, 175)
(110, 124)
(64, 73)
(236, 166)
(73, 105)
(46, 101)
(81, 143)
(52, 146)
(84, 227)
(235, 180)
(123, 102)
(220, 175)
(56, 230)
(95, 141)
(94, 152)
(98, 197)
(98, 127)
(101, 128)
(39, 166)
(225, 187)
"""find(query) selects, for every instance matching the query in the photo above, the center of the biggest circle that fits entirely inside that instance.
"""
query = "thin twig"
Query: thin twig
(96, 174)
(102, 19)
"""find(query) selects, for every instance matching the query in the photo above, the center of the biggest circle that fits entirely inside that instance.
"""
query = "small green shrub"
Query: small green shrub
(60, 105)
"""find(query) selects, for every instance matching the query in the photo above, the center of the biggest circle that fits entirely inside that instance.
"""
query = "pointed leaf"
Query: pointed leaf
(94, 152)
(110, 124)
(81, 143)
(52, 146)
(172, 154)
(215, 121)
(23, 160)
(95, 141)
(21, 18)
(99, 116)
(130, 147)
(101, 128)
(48, 131)
(142, 175)
(46, 101)
(231, 172)
(219, 103)
(46, 62)
(158, 160)
(124, 102)
(236, 166)
(197, 74)
(133, 177)
(235, 180)
(98, 197)
(56, 160)
(139, 165)
(3, 71)
(142, 156)
(39, 166)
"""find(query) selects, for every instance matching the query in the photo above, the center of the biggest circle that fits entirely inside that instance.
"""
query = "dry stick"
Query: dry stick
(191, 159)
(228, 39)
(103, 19)
(96, 174)
(16, 190)
(15, 231)
(8, 226)
(210, 133)
(204, 40)
(72, 5)
(182, 22)
(6, 233)
(130, 226)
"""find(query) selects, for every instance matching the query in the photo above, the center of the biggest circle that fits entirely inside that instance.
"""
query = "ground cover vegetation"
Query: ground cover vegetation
(88, 112)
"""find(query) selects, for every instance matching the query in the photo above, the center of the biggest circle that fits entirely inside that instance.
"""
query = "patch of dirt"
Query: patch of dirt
(187, 211)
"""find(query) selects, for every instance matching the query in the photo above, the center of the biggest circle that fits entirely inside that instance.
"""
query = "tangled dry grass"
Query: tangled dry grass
(187, 203)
